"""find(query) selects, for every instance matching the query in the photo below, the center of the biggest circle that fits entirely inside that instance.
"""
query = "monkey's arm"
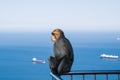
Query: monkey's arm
(64, 49)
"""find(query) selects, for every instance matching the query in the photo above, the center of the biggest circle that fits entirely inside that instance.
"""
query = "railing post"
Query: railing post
(71, 78)
(94, 76)
(106, 76)
(83, 77)
(118, 77)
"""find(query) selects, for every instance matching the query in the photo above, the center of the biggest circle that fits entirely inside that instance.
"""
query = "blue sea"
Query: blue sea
(18, 49)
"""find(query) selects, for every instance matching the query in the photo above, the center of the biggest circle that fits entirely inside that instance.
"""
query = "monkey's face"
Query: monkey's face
(53, 38)
(56, 35)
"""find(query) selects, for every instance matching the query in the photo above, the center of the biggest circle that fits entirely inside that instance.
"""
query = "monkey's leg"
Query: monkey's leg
(52, 64)
(63, 66)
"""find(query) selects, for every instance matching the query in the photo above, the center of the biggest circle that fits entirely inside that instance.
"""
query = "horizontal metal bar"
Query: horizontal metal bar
(55, 76)
(81, 72)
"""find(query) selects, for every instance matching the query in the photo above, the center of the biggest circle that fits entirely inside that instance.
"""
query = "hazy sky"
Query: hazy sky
(69, 15)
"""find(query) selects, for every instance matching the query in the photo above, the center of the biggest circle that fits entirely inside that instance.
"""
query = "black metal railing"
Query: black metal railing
(88, 72)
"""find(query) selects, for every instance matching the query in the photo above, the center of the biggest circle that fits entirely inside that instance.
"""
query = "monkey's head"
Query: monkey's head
(57, 34)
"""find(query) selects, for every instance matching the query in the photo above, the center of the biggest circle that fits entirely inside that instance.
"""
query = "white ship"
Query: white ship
(109, 56)
(36, 60)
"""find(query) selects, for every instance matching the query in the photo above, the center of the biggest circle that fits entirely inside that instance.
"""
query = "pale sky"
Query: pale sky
(69, 15)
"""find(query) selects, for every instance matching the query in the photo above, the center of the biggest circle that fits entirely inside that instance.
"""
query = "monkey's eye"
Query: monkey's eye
(53, 33)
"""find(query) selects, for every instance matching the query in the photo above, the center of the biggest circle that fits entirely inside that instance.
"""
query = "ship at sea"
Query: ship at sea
(109, 56)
